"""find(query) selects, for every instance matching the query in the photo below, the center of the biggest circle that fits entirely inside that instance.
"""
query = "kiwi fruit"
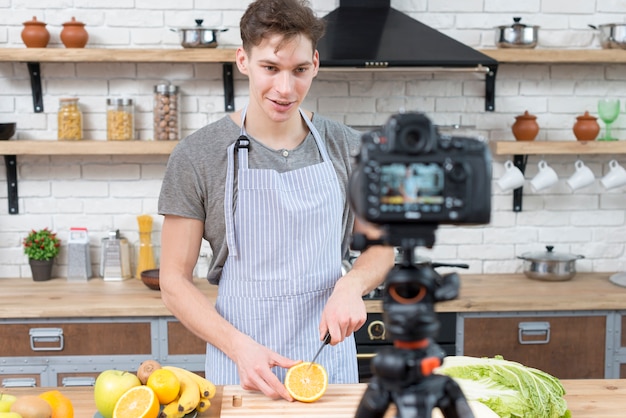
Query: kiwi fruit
(30, 406)
(145, 370)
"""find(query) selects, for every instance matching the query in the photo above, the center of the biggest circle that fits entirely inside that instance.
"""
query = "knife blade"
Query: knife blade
(324, 343)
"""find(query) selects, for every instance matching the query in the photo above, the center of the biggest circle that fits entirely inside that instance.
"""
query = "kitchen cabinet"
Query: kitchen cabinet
(568, 346)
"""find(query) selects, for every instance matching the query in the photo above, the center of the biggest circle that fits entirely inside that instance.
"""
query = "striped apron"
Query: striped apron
(284, 243)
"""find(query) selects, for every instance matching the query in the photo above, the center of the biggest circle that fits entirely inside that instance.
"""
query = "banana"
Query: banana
(204, 404)
(189, 394)
(207, 388)
(171, 410)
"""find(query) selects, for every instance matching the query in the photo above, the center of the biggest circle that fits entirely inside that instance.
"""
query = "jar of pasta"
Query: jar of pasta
(166, 116)
(70, 120)
(120, 119)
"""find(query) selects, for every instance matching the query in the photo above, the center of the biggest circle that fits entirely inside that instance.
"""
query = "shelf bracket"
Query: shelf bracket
(229, 87)
(11, 164)
(519, 161)
(490, 88)
(34, 69)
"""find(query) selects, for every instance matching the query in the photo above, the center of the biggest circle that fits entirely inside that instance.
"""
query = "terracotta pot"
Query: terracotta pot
(41, 269)
(586, 127)
(74, 34)
(525, 127)
(35, 34)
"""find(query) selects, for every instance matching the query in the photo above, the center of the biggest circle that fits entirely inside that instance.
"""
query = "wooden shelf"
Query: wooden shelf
(86, 147)
(117, 55)
(557, 56)
(557, 147)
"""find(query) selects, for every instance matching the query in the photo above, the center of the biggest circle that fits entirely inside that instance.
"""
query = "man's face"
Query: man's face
(279, 79)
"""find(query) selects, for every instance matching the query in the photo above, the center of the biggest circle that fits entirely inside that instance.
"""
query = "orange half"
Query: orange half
(137, 402)
(306, 384)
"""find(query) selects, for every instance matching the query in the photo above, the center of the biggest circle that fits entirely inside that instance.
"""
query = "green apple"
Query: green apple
(110, 386)
(4, 414)
(6, 401)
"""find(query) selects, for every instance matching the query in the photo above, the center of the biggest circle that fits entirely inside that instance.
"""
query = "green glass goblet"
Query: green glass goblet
(608, 110)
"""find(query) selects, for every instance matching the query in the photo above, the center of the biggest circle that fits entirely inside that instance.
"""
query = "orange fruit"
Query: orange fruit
(61, 405)
(306, 384)
(137, 402)
(165, 384)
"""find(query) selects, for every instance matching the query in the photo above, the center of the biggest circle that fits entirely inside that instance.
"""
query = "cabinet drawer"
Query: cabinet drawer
(181, 341)
(575, 348)
(74, 339)
(20, 380)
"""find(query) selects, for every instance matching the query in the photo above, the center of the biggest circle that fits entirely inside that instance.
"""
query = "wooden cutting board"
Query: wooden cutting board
(339, 401)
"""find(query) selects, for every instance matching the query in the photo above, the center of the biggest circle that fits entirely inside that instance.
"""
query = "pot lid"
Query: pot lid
(526, 115)
(586, 116)
(35, 22)
(549, 255)
(73, 22)
(517, 25)
(200, 27)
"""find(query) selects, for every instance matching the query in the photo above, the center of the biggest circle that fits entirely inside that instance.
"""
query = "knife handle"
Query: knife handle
(327, 338)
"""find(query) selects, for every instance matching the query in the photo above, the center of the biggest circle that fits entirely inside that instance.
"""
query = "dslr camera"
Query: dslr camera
(407, 173)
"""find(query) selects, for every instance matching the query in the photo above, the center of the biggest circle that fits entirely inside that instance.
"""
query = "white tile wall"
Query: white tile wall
(104, 192)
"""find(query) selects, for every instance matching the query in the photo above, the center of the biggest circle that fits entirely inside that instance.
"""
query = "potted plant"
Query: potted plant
(41, 247)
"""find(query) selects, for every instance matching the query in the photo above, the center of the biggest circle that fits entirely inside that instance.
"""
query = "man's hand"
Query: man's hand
(254, 363)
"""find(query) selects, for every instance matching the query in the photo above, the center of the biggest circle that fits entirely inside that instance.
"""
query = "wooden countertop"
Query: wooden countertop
(58, 298)
(594, 398)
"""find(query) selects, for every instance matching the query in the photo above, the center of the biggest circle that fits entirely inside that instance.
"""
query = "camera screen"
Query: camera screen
(410, 186)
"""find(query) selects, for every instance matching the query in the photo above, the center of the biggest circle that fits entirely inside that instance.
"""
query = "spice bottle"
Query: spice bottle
(70, 120)
(145, 253)
(120, 119)
(166, 116)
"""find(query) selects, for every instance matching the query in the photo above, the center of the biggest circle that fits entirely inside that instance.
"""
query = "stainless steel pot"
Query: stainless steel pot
(198, 36)
(612, 35)
(549, 265)
(517, 35)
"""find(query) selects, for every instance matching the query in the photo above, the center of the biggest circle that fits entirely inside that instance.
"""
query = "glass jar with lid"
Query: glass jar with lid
(70, 120)
(120, 119)
(166, 115)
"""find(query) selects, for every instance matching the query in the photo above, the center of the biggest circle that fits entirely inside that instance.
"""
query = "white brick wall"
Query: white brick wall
(106, 192)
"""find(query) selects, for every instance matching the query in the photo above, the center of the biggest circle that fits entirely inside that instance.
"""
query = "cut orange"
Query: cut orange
(165, 385)
(306, 384)
(61, 406)
(137, 402)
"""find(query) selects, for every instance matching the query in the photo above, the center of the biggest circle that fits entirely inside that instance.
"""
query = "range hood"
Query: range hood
(371, 34)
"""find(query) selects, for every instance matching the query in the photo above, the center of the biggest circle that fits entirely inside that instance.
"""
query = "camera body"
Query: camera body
(407, 173)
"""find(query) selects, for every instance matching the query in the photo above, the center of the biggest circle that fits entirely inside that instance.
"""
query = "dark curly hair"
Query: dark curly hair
(288, 18)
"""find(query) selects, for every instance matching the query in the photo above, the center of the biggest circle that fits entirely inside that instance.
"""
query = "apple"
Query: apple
(110, 386)
(6, 401)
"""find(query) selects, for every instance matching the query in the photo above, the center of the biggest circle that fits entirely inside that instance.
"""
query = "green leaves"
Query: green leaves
(41, 245)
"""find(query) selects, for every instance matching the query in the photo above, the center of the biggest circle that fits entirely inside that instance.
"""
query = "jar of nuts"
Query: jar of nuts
(120, 119)
(70, 120)
(166, 116)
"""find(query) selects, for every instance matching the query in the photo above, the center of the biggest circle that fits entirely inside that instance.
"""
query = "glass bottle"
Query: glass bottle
(145, 252)
(201, 271)
(70, 120)
(166, 115)
(120, 119)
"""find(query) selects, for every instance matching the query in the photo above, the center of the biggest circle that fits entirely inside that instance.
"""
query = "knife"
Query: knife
(325, 342)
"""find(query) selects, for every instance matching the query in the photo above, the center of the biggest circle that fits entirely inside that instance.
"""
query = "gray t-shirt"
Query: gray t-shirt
(194, 182)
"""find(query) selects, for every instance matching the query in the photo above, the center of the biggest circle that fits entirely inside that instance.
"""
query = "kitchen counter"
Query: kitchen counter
(58, 298)
(585, 399)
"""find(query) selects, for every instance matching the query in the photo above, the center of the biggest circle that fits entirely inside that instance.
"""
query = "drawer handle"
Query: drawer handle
(46, 335)
(533, 329)
(19, 382)
(78, 381)
(365, 356)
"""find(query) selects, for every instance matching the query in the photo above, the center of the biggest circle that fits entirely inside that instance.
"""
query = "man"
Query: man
(266, 186)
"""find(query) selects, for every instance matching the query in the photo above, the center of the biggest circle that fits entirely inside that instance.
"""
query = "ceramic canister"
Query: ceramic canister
(74, 34)
(35, 34)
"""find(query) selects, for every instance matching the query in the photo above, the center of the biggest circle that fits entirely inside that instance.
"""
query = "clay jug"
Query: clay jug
(586, 127)
(35, 34)
(525, 127)
(74, 34)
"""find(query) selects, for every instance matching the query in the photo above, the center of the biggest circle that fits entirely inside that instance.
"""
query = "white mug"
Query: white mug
(545, 178)
(512, 177)
(616, 176)
(583, 176)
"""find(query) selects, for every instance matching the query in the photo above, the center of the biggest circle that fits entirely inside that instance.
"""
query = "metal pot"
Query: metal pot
(549, 265)
(517, 35)
(612, 35)
(198, 36)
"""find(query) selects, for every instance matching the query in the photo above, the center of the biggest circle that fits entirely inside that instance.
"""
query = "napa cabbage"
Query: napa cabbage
(510, 389)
